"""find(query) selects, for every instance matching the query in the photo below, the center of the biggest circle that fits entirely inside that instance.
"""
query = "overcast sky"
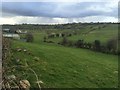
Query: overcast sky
(58, 12)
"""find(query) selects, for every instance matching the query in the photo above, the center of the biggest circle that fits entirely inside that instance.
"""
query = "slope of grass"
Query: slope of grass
(102, 34)
(59, 66)
(65, 67)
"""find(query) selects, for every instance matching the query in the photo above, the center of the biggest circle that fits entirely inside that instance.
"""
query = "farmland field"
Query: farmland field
(69, 67)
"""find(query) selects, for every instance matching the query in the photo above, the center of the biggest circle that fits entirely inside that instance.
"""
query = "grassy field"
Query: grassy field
(58, 66)
(102, 34)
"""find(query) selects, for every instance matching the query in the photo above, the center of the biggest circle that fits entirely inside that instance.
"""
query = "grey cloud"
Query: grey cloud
(55, 9)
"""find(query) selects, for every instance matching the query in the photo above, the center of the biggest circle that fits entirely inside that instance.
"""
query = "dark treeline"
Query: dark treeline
(111, 47)
(52, 26)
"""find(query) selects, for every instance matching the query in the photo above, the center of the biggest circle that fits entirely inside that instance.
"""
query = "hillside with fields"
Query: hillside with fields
(76, 55)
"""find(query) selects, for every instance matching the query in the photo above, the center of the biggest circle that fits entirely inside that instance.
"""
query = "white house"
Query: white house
(6, 30)
(21, 31)
(14, 36)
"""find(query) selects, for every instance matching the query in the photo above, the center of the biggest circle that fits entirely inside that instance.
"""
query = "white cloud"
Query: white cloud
(99, 8)
(59, 0)
(71, 12)
(110, 19)
(44, 20)
(100, 19)
(32, 20)
(7, 21)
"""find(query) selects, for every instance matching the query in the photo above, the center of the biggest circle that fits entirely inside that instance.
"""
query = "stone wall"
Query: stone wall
(0, 56)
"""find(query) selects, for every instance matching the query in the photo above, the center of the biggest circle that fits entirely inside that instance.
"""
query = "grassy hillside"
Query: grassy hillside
(65, 67)
(58, 66)
(110, 31)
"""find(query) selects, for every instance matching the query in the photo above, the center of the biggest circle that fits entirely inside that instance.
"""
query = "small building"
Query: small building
(21, 32)
(6, 30)
(13, 36)
(18, 31)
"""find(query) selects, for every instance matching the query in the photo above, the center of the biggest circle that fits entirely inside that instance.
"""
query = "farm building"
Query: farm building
(21, 32)
(6, 30)
(14, 36)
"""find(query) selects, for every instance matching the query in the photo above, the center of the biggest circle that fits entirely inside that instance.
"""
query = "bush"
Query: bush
(104, 49)
(85, 45)
(29, 37)
(45, 39)
(97, 45)
(80, 43)
(70, 43)
(64, 41)
(70, 35)
(112, 45)
(88, 45)
(57, 35)
(63, 35)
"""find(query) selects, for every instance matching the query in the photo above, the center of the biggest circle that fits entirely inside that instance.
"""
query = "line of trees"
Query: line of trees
(110, 47)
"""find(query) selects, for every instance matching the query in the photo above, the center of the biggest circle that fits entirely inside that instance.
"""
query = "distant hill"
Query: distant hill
(57, 26)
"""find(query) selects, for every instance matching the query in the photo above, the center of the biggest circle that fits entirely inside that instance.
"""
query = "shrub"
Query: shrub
(57, 35)
(29, 37)
(70, 35)
(112, 45)
(70, 43)
(49, 41)
(87, 45)
(97, 45)
(45, 38)
(103, 49)
(80, 43)
(64, 41)
(63, 35)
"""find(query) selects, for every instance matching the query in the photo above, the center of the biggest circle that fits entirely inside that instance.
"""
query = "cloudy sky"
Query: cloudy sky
(58, 12)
